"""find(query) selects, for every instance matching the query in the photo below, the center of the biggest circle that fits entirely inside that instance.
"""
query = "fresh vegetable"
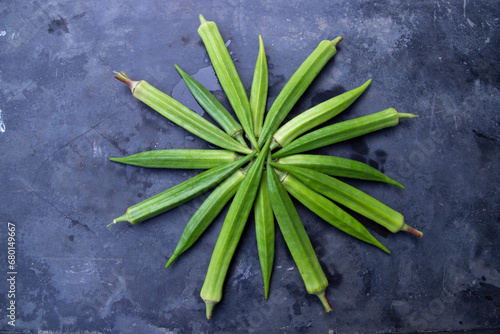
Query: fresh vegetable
(179, 158)
(335, 166)
(264, 231)
(181, 115)
(258, 94)
(230, 234)
(212, 106)
(297, 240)
(238, 172)
(342, 131)
(228, 76)
(297, 85)
(352, 198)
(180, 193)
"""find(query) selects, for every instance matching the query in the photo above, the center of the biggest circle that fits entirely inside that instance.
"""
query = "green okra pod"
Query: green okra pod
(297, 85)
(206, 213)
(230, 233)
(343, 131)
(180, 158)
(327, 210)
(180, 114)
(228, 76)
(297, 240)
(258, 94)
(180, 193)
(264, 230)
(336, 166)
(351, 198)
(213, 107)
(315, 116)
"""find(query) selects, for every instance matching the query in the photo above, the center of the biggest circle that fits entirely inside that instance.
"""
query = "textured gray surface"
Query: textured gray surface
(64, 115)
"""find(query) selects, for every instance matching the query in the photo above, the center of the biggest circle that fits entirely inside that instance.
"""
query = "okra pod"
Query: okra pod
(230, 233)
(206, 213)
(352, 198)
(213, 107)
(228, 76)
(297, 85)
(180, 193)
(327, 210)
(343, 131)
(258, 93)
(297, 240)
(315, 116)
(180, 114)
(264, 230)
(335, 166)
(180, 158)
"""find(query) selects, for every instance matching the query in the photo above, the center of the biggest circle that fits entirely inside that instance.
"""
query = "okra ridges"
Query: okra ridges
(238, 176)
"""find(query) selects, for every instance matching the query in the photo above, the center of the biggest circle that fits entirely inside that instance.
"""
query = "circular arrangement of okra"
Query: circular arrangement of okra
(262, 176)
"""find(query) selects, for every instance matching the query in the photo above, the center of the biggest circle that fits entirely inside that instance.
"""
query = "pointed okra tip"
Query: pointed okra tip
(120, 219)
(202, 19)
(337, 40)
(209, 308)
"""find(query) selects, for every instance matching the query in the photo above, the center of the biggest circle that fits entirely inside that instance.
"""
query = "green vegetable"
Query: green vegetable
(264, 230)
(180, 193)
(336, 166)
(180, 115)
(297, 240)
(342, 131)
(228, 76)
(258, 94)
(352, 198)
(327, 210)
(297, 85)
(230, 233)
(213, 107)
(180, 158)
(206, 213)
(315, 116)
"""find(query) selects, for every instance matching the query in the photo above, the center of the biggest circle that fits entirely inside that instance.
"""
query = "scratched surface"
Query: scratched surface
(62, 116)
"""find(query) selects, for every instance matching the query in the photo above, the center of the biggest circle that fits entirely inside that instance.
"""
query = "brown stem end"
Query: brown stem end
(122, 77)
(411, 230)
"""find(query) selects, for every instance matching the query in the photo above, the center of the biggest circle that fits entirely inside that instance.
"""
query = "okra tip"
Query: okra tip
(210, 308)
(202, 19)
(120, 219)
(406, 115)
(411, 230)
(337, 40)
(326, 304)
